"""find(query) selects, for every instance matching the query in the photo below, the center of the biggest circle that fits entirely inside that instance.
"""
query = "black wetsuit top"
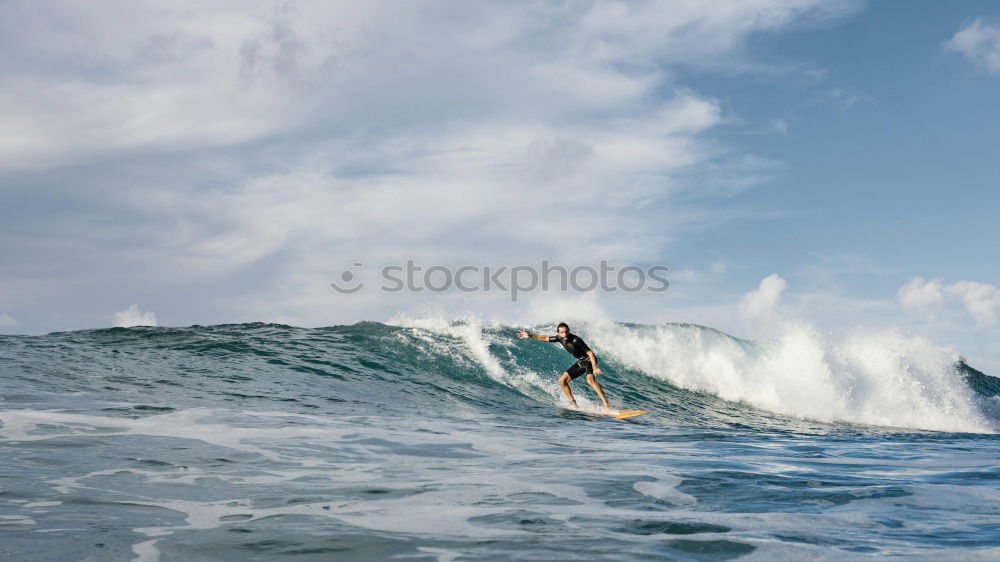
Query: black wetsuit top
(573, 344)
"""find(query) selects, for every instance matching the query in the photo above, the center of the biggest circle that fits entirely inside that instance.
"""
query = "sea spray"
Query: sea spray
(875, 377)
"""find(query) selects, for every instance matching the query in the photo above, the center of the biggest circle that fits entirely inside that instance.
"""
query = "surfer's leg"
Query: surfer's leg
(564, 383)
(592, 381)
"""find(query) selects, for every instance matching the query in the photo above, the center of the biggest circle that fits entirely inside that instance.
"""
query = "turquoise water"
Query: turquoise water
(449, 440)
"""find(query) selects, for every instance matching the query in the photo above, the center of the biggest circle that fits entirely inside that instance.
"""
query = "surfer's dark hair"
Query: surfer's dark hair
(562, 325)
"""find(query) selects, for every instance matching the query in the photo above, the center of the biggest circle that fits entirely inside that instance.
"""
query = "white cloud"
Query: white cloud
(692, 276)
(289, 140)
(159, 75)
(978, 41)
(980, 300)
(7, 321)
(132, 316)
(761, 303)
(921, 295)
(437, 188)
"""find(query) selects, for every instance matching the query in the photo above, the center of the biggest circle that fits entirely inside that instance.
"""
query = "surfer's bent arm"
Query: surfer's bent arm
(593, 362)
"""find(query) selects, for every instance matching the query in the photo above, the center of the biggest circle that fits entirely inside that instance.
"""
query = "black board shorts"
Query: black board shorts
(581, 367)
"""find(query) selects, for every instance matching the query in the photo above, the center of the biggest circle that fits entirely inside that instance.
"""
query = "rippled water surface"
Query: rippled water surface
(450, 441)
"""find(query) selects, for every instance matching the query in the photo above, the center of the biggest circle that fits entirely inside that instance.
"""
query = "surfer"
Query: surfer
(586, 361)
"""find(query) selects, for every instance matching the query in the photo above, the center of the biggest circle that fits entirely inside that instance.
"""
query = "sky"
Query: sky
(833, 163)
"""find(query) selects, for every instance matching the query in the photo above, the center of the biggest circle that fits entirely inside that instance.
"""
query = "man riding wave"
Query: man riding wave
(586, 361)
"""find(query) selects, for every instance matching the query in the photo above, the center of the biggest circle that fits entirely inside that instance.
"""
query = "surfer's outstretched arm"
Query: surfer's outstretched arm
(524, 334)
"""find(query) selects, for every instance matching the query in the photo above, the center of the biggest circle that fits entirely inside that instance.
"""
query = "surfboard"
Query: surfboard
(617, 414)
(625, 414)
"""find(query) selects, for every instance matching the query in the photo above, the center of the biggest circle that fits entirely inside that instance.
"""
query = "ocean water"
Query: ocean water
(449, 440)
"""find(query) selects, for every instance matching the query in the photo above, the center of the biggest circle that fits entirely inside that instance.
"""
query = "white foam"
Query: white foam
(146, 551)
(442, 554)
(876, 377)
(16, 520)
(26, 425)
(43, 504)
(665, 489)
